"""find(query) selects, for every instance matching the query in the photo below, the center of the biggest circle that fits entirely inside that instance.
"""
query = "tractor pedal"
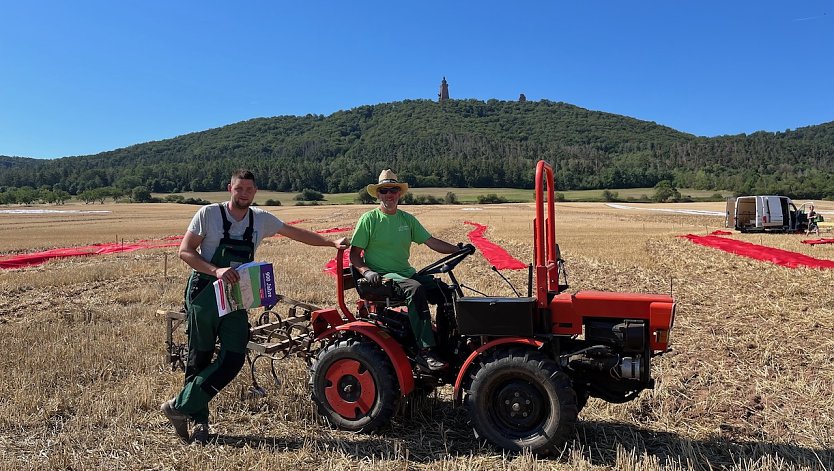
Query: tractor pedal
(428, 361)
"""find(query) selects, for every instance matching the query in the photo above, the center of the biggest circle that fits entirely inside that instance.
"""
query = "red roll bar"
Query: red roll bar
(544, 236)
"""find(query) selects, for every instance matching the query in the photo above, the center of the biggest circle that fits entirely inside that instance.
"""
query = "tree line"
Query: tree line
(458, 143)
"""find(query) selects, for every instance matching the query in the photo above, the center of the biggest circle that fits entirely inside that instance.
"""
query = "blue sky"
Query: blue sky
(82, 77)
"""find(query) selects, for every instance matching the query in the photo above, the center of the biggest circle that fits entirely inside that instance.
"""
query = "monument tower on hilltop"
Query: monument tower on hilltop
(444, 91)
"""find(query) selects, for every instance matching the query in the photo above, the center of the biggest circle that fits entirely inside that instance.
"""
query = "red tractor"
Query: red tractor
(522, 366)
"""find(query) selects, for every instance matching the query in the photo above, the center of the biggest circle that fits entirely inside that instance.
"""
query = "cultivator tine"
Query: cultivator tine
(177, 352)
(277, 336)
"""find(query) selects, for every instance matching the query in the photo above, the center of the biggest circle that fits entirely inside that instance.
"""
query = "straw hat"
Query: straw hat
(387, 178)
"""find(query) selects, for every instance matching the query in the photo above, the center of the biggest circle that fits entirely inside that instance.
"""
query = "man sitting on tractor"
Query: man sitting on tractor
(385, 234)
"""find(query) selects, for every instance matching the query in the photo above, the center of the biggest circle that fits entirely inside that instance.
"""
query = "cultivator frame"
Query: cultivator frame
(274, 337)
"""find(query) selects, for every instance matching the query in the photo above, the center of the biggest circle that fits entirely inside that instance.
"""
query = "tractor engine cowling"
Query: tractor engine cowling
(570, 313)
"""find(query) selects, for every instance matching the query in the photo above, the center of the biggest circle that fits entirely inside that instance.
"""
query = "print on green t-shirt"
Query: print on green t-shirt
(387, 238)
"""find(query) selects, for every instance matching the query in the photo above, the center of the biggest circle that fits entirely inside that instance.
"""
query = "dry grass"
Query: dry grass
(749, 385)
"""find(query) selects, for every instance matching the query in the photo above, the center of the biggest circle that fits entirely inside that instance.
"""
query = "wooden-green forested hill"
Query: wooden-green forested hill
(459, 143)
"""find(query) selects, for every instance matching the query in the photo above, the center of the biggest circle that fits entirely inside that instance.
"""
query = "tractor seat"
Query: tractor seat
(382, 295)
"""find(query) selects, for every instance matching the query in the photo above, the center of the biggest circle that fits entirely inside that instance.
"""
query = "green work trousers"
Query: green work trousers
(418, 291)
(207, 378)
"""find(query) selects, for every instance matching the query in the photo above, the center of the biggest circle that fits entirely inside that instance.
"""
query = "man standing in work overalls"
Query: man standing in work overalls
(226, 235)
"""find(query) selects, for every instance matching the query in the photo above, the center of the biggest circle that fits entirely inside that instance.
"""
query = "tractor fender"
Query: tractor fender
(395, 352)
(483, 348)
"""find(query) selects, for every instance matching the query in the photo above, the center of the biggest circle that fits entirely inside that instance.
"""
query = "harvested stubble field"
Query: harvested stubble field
(748, 386)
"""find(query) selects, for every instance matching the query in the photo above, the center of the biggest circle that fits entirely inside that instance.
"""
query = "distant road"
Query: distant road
(696, 212)
(50, 211)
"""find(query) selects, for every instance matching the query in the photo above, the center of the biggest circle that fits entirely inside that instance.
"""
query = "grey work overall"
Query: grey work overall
(204, 378)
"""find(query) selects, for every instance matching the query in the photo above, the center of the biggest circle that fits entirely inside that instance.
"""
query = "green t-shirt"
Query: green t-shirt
(387, 238)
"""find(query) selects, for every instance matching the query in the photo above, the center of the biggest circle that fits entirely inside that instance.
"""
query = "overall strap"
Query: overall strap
(250, 229)
(247, 235)
(226, 224)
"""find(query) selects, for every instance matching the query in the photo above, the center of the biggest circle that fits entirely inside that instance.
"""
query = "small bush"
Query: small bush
(309, 195)
(272, 202)
(608, 195)
(198, 201)
(491, 198)
(411, 198)
(362, 197)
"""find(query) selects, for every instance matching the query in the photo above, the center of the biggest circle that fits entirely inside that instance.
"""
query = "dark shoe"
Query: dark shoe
(201, 433)
(429, 360)
(177, 418)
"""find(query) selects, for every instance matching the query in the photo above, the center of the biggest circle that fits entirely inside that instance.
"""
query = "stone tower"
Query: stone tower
(444, 91)
(522, 98)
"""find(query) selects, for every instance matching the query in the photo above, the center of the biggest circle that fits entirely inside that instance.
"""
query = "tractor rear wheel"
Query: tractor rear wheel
(520, 400)
(353, 385)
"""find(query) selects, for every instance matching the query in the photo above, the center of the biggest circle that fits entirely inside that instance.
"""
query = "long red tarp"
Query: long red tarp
(495, 255)
(781, 257)
(37, 258)
(818, 241)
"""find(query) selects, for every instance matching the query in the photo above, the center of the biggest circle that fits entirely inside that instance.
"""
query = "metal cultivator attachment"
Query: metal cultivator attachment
(274, 336)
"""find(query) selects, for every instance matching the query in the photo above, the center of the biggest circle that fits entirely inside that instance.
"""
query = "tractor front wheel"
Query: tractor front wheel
(520, 400)
(353, 385)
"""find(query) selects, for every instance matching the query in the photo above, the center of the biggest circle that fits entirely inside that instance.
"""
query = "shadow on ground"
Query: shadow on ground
(432, 429)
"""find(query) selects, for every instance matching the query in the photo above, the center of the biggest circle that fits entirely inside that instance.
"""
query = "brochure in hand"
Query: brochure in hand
(255, 288)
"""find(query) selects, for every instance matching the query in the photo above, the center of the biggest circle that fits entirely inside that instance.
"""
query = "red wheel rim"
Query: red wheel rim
(350, 388)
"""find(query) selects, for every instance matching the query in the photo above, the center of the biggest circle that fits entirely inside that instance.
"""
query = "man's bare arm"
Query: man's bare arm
(357, 261)
(311, 238)
(441, 246)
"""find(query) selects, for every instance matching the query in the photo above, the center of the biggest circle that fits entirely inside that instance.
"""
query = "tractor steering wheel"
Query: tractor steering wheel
(449, 262)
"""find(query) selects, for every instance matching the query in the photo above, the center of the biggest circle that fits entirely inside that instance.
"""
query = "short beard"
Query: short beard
(236, 204)
(393, 205)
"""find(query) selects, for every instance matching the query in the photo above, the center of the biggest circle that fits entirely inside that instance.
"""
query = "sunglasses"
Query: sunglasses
(385, 191)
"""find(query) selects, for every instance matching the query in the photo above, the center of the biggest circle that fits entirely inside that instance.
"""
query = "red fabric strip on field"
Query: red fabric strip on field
(716, 233)
(818, 241)
(330, 267)
(291, 223)
(37, 258)
(494, 254)
(333, 230)
(760, 252)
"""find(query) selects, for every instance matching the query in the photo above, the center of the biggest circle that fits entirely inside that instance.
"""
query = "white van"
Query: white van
(761, 213)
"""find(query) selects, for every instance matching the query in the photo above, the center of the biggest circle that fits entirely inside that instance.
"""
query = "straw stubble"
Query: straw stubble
(749, 383)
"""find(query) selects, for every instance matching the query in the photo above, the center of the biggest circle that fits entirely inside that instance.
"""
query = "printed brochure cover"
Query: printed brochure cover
(255, 288)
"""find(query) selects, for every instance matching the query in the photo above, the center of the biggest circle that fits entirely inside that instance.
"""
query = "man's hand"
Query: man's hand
(372, 277)
(227, 274)
(341, 243)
